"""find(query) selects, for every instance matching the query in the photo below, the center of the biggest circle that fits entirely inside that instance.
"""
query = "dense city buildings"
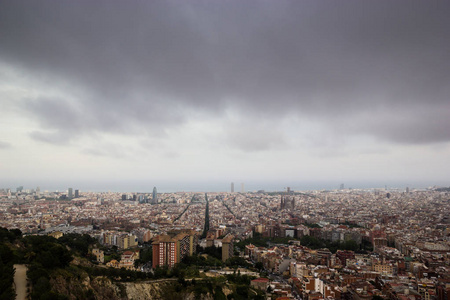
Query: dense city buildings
(393, 242)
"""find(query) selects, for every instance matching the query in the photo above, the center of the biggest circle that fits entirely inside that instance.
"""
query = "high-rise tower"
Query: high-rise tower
(232, 187)
(155, 196)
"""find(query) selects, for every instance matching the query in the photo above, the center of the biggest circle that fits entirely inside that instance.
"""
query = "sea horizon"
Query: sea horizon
(169, 186)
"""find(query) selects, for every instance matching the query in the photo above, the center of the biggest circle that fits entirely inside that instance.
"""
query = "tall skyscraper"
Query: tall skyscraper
(77, 193)
(155, 195)
(232, 187)
(70, 193)
(242, 188)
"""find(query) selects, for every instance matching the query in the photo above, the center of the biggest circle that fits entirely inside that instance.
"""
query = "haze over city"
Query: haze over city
(193, 95)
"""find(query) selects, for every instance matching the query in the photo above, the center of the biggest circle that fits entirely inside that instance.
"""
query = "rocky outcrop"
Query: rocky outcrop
(143, 290)
(76, 283)
(100, 288)
(160, 290)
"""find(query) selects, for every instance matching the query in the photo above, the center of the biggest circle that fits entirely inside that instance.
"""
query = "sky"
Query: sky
(124, 94)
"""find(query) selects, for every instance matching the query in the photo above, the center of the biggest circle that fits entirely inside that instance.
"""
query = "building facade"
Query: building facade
(227, 247)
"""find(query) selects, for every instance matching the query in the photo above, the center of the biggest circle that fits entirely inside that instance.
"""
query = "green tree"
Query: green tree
(9, 235)
(36, 271)
(213, 251)
(218, 293)
(350, 245)
(40, 288)
(237, 261)
(6, 280)
(77, 242)
(312, 242)
(6, 254)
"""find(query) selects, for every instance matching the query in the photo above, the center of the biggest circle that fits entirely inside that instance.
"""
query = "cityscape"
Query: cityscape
(321, 244)
(229, 150)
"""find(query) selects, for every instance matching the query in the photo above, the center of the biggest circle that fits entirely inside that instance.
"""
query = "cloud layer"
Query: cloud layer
(265, 75)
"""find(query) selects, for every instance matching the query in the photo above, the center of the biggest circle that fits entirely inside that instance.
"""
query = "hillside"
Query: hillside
(61, 269)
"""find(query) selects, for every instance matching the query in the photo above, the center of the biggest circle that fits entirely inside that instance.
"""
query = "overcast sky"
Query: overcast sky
(222, 91)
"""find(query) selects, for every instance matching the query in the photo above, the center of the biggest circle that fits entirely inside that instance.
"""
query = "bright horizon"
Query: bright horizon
(249, 186)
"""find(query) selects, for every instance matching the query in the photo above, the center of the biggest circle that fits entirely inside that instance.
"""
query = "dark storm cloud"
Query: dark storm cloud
(410, 126)
(143, 66)
(61, 121)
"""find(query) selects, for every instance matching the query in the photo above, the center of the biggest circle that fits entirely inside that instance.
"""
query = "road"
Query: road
(20, 282)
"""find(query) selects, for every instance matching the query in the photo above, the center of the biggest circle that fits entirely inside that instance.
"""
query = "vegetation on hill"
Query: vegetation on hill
(237, 285)
(62, 269)
(6, 264)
